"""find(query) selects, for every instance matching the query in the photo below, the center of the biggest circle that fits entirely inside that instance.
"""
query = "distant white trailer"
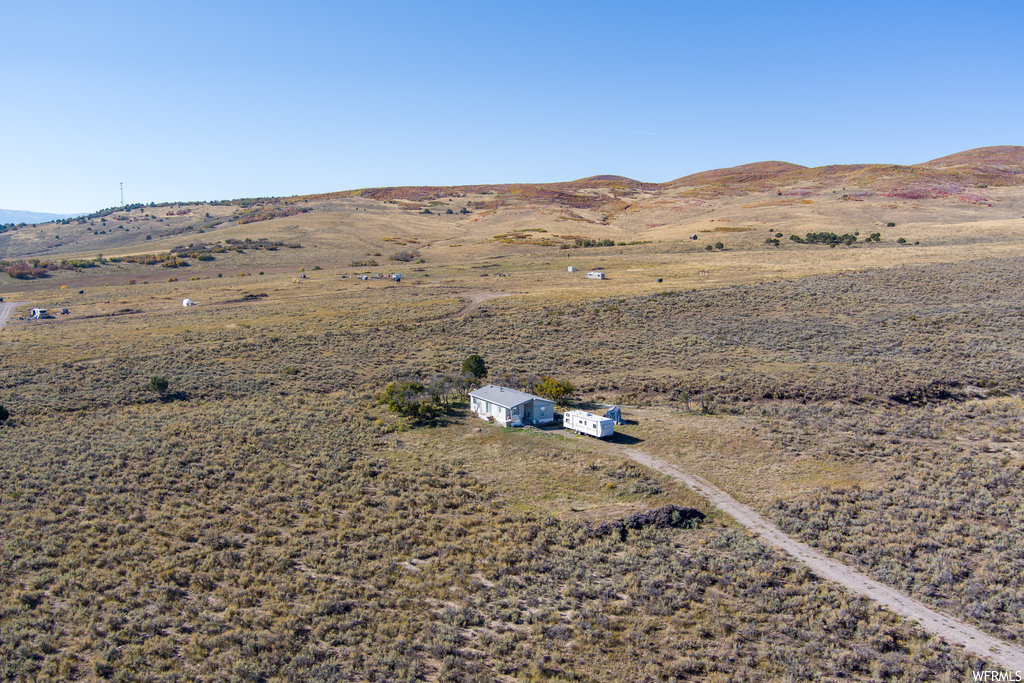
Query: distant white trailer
(572, 269)
(38, 314)
(596, 275)
(583, 422)
(187, 302)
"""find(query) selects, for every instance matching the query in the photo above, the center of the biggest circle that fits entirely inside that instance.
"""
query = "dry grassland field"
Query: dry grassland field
(265, 516)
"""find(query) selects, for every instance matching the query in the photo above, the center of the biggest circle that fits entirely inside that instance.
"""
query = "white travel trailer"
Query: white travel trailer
(583, 422)
(187, 302)
(596, 275)
(38, 314)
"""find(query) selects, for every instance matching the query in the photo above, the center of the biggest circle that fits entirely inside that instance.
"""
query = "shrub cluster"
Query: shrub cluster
(266, 213)
(588, 242)
(405, 256)
(204, 251)
(31, 268)
(263, 538)
(829, 238)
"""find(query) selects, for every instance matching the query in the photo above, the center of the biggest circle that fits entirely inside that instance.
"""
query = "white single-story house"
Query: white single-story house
(510, 407)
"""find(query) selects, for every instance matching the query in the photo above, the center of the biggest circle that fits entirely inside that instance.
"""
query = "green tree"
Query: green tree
(400, 396)
(158, 384)
(554, 389)
(474, 366)
(410, 398)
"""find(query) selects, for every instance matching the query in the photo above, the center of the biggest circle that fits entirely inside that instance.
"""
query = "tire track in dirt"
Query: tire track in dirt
(473, 303)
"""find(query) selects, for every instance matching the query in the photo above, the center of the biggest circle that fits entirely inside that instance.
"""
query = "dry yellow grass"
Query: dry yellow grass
(331, 340)
(457, 250)
(551, 472)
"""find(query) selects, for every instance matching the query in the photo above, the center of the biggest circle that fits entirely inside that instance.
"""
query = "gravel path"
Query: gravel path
(950, 629)
(7, 309)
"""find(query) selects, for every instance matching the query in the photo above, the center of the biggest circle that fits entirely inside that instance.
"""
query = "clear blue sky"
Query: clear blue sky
(216, 100)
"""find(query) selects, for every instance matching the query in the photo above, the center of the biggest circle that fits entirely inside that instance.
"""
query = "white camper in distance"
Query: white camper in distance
(583, 422)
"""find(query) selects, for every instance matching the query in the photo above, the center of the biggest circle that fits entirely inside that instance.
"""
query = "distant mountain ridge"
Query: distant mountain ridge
(962, 186)
(14, 216)
(1000, 165)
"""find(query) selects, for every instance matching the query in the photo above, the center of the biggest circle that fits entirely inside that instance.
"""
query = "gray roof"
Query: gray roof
(504, 397)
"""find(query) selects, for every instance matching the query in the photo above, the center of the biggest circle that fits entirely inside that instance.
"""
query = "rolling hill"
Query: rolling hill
(980, 184)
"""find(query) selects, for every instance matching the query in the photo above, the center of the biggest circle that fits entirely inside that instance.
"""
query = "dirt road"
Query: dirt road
(975, 641)
(475, 299)
(7, 309)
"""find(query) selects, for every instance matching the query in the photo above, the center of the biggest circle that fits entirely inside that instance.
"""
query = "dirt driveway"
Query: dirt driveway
(7, 310)
(950, 629)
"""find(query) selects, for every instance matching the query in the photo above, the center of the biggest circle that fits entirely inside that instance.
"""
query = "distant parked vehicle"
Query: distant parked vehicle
(583, 422)
(64, 311)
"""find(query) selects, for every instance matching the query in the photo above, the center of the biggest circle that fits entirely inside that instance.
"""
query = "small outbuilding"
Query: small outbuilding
(510, 407)
(614, 414)
(572, 269)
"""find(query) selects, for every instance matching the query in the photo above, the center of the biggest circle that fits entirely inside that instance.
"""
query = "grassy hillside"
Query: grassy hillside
(973, 186)
(266, 517)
